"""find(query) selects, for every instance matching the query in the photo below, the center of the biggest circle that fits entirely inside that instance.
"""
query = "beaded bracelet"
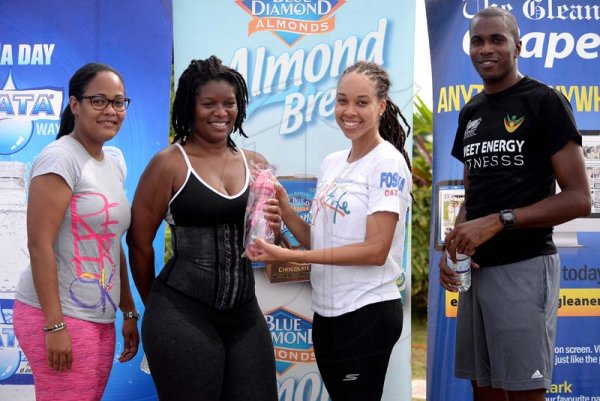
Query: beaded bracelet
(131, 315)
(55, 327)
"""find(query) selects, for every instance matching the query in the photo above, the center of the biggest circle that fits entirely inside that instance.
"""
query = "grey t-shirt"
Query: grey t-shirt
(88, 242)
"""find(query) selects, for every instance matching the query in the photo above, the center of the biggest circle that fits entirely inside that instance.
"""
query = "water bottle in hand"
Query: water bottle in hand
(463, 268)
(255, 223)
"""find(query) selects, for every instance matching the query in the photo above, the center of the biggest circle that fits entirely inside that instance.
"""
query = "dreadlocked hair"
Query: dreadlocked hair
(197, 74)
(390, 128)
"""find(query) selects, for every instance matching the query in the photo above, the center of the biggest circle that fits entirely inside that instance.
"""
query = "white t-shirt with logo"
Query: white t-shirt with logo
(346, 194)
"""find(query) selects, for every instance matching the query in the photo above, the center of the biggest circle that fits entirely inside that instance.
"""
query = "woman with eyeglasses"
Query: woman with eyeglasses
(204, 334)
(77, 213)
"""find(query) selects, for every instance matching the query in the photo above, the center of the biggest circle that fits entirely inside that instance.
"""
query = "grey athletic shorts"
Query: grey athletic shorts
(506, 325)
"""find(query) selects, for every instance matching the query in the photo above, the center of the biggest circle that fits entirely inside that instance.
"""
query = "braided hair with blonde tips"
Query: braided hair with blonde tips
(197, 74)
(390, 128)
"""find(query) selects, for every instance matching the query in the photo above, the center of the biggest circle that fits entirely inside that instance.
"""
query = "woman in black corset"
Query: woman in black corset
(203, 332)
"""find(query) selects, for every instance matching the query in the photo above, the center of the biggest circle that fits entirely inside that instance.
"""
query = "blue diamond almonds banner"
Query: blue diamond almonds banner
(291, 54)
(42, 44)
(560, 47)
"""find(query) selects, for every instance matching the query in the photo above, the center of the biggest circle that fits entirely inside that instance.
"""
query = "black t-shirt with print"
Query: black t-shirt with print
(505, 141)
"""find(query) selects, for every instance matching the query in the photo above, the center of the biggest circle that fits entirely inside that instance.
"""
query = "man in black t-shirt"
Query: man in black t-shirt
(515, 139)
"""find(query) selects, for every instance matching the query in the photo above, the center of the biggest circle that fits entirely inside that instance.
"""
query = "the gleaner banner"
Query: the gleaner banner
(561, 42)
(292, 54)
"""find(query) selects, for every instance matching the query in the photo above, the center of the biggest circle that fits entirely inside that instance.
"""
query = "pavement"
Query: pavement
(419, 389)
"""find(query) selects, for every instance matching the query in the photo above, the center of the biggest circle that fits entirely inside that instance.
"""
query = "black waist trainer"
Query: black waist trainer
(207, 265)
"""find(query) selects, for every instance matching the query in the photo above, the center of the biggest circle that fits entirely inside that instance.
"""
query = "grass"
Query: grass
(419, 349)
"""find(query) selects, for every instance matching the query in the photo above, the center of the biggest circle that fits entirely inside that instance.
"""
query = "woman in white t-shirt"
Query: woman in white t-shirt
(77, 213)
(355, 241)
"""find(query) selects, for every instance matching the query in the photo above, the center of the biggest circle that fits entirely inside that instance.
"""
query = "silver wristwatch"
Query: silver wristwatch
(508, 218)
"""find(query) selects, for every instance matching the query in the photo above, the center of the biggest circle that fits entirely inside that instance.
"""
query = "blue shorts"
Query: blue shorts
(506, 325)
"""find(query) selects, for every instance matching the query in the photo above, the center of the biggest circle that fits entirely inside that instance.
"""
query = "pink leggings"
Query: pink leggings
(93, 347)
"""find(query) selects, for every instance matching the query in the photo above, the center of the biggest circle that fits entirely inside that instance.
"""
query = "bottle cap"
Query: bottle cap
(459, 256)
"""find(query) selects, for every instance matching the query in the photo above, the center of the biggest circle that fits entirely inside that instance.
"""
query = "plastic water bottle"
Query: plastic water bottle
(463, 268)
(16, 381)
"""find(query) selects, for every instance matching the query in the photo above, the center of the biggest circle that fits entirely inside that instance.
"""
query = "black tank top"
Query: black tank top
(207, 231)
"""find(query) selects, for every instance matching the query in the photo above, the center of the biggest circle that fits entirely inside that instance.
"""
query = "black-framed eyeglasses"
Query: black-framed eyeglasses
(100, 102)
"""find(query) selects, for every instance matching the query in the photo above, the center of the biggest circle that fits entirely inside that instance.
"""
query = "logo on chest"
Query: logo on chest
(332, 197)
(471, 129)
(513, 123)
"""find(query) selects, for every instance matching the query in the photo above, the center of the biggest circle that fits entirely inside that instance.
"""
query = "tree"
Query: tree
(421, 214)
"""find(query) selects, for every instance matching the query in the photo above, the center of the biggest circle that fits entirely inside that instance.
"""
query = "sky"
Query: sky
(422, 66)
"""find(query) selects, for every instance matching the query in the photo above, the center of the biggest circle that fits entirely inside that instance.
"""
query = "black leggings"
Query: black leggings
(198, 353)
(353, 350)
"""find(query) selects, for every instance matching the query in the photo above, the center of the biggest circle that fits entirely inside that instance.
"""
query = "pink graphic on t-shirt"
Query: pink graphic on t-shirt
(98, 268)
(331, 196)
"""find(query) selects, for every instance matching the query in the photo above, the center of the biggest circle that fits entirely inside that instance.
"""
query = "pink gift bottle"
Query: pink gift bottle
(263, 188)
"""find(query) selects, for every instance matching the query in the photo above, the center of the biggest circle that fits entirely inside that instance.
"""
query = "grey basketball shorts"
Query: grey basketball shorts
(506, 325)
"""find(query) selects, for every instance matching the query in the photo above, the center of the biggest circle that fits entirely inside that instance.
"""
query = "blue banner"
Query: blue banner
(41, 45)
(560, 45)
